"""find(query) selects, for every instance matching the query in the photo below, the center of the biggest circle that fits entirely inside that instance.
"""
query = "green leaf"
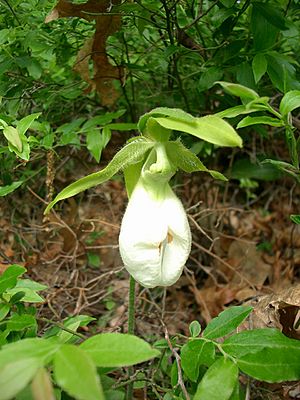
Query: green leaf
(271, 14)
(195, 353)
(129, 154)
(9, 277)
(295, 218)
(210, 128)
(94, 143)
(195, 328)
(289, 102)
(4, 310)
(131, 176)
(13, 137)
(175, 113)
(244, 168)
(247, 121)
(187, 161)
(124, 126)
(209, 77)
(20, 322)
(28, 348)
(24, 124)
(16, 375)
(5, 190)
(118, 350)
(259, 66)
(264, 32)
(226, 322)
(239, 90)
(219, 381)
(76, 373)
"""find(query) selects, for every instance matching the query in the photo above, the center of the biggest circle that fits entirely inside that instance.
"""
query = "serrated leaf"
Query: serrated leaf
(259, 66)
(76, 373)
(118, 350)
(184, 159)
(226, 322)
(131, 153)
(248, 121)
(238, 90)
(195, 353)
(5, 190)
(219, 381)
(289, 102)
(13, 137)
(9, 277)
(24, 124)
(15, 376)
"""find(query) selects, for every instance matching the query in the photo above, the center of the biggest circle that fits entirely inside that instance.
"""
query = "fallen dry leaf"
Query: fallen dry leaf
(95, 48)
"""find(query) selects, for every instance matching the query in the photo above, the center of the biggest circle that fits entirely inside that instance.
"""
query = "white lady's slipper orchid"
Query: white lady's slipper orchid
(155, 237)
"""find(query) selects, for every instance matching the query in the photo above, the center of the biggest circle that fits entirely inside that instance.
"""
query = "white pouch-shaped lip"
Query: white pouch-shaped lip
(155, 237)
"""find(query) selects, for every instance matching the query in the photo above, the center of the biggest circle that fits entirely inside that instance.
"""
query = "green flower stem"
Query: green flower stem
(131, 323)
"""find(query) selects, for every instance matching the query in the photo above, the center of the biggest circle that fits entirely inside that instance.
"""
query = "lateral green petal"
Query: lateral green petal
(131, 153)
(187, 161)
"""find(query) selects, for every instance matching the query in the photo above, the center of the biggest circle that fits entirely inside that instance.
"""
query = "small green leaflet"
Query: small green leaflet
(5, 190)
(9, 277)
(295, 219)
(13, 137)
(259, 66)
(131, 153)
(226, 322)
(118, 350)
(219, 381)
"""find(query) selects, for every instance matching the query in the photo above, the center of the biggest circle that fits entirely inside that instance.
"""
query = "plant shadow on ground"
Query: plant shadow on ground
(245, 251)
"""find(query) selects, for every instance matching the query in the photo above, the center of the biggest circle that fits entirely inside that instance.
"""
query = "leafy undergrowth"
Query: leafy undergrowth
(245, 251)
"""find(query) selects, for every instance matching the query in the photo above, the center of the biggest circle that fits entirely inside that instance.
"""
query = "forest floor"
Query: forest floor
(245, 251)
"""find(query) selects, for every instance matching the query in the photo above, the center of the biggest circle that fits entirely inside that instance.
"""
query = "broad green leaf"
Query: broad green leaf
(9, 277)
(271, 14)
(175, 113)
(244, 168)
(73, 323)
(13, 137)
(118, 350)
(209, 77)
(76, 373)
(131, 153)
(259, 66)
(20, 322)
(187, 161)
(210, 128)
(195, 353)
(94, 143)
(4, 310)
(289, 102)
(124, 126)
(239, 90)
(5, 190)
(16, 375)
(295, 219)
(41, 386)
(286, 167)
(195, 328)
(272, 364)
(219, 381)
(42, 349)
(24, 124)
(25, 152)
(226, 322)
(255, 340)
(247, 121)
(101, 120)
(264, 32)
